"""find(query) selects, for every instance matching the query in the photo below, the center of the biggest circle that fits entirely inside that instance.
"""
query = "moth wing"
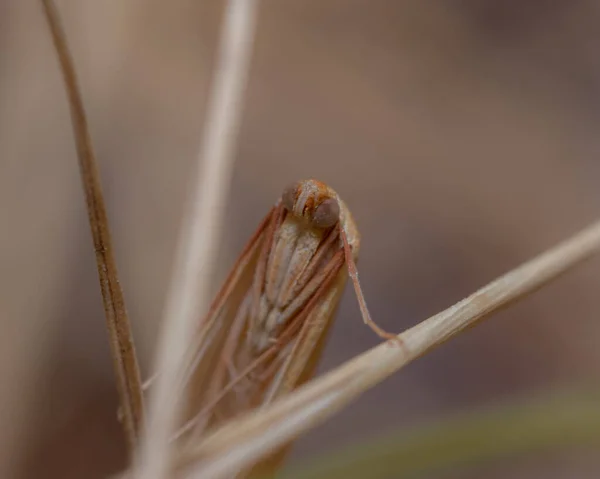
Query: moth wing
(306, 350)
(304, 356)
(206, 348)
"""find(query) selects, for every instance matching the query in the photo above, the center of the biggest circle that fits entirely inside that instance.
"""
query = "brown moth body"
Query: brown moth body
(266, 329)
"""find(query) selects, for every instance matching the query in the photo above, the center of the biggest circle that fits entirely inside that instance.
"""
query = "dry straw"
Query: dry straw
(190, 284)
(188, 298)
(244, 441)
(117, 323)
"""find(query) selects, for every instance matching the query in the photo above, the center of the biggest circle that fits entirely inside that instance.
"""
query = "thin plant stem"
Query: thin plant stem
(245, 440)
(189, 291)
(117, 322)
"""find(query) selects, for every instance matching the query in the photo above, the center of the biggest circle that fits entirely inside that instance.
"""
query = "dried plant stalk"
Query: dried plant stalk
(194, 265)
(244, 441)
(119, 330)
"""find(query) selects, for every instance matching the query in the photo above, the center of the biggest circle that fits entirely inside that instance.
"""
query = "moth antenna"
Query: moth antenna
(366, 316)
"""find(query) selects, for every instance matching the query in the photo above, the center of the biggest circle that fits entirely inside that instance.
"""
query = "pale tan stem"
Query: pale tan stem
(242, 442)
(188, 296)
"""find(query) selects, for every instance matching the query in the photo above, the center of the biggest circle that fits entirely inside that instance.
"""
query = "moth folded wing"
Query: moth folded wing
(284, 366)
(206, 368)
(301, 361)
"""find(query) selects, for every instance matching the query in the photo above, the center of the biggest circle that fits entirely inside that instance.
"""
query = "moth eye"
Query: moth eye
(289, 196)
(327, 214)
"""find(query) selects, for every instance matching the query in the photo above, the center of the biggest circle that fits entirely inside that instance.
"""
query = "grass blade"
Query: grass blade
(117, 322)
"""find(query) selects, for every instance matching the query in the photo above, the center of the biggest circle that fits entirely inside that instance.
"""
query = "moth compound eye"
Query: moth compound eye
(289, 196)
(327, 214)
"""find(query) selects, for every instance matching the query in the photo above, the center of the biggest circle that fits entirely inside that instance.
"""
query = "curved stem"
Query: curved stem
(119, 330)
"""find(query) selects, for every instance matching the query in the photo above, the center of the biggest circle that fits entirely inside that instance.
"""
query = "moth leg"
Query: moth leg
(353, 273)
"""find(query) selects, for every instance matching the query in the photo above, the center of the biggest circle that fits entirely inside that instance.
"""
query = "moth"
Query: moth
(266, 328)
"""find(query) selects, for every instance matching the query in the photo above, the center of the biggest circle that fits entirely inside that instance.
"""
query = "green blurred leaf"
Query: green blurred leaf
(559, 420)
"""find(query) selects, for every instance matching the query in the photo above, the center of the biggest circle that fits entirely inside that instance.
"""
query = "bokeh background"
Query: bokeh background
(462, 134)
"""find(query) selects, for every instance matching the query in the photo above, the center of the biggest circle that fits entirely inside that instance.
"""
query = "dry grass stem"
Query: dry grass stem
(242, 442)
(119, 330)
(188, 297)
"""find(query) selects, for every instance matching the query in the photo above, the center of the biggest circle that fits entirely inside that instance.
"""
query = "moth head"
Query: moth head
(314, 201)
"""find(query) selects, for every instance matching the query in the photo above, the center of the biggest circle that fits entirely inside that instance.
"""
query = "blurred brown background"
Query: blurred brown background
(462, 134)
